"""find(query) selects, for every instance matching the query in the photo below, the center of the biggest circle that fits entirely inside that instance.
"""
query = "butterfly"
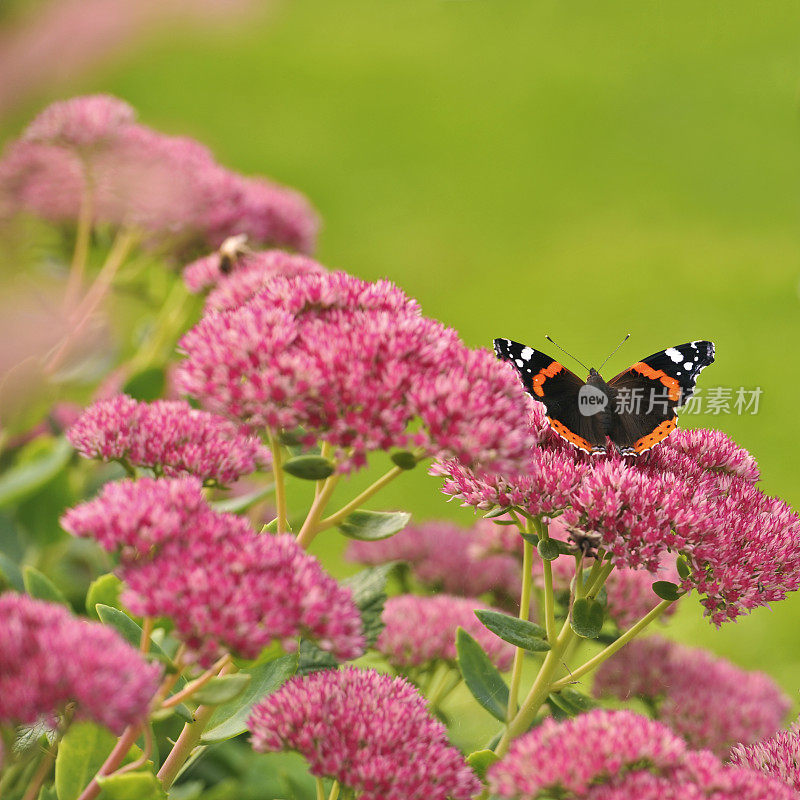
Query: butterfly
(636, 409)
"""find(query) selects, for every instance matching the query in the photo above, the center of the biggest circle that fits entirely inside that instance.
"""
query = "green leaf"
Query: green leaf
(404, 459)
(10, 574)
(222, 689)
(106, 590)
(41, 587)
(25, 479)
(147, 385)
(132, 786)
(548, 549)
(235, 505)
(682, 564)
(230, 719)
(481, 676)
(292, 438)
(369, 594)
(587, 617)
(82, 751)
(572, 702)
(499, 511)
(667, 590)
(481, 760)
(310, 468)
(369, 526)
(520, 633)
(311, 658)
(270, 527)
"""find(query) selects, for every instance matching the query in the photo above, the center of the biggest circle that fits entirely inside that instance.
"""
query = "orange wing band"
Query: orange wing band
(565, 433)
(543, 375)
(658, 435)
(658, 375)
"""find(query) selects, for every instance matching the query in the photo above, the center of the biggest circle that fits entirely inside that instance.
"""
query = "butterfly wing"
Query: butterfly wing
(552, 384)
(649, 392)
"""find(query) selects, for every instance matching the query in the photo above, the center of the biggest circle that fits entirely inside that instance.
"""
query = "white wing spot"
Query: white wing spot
(518, 362)
(688, 365)
(674, 354)
(526, 353)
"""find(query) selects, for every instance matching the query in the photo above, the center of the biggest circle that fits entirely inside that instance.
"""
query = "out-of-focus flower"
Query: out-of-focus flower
(568, 757)
(370, 732)
(88, 153)
(50, 659)
(246, 277)
(618, 755)
(710, 702)
(421, 630)
(226, 588)
(354, 363)
(168, 436)
(440, 555)
(81, 122)
(693, 496)
(778, 757)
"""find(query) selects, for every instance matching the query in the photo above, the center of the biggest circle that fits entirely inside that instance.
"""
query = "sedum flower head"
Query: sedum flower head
(168, 436)
(370, 732)
(421, 630)
(50, 659)
(695, 496)
(778, 756)
(710, 702)
(225, 588)
(354, 364)
(80, 122)
(619, 755)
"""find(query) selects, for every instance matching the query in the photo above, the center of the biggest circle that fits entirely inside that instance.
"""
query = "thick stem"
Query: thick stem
(312, 526)
(80, 253)
(147, 630)
(320, 789)
(547, 570)
(280, 484)
(120, 250)
(43, 770)
(609, 651)
(357, 502)
(188, 740)
(524, 614)
(334, 791)
(124, 743)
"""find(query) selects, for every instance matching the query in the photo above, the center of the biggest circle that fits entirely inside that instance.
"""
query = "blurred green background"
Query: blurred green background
(525, 167)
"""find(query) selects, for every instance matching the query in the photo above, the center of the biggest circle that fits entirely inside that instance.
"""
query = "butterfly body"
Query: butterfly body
(635, 410)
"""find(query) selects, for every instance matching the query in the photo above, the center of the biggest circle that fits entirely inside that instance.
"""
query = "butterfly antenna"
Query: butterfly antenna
(564, 351)
(627, 336)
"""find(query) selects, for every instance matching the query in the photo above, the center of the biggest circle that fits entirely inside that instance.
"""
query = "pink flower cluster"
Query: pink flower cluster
(90, 147)
(710, 702)
(370, 732)
(168, 436)
(693, 494)
(446, 558)
(247, 275)
(353, 363)
(422, 630)
(225, 588)
(49, 659)
(619, 755)
(778, 756)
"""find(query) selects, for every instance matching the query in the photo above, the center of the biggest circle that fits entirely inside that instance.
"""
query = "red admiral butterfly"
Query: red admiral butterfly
(636, 409)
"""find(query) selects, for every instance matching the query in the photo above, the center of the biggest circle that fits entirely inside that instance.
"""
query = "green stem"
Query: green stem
(334, 791)
(524, 614)
(43, 770)
(312, 526)
(547, 570)
(362, 498)
(538, 692)
(320, 789)
(609, 651)
(82, 238)
(280, 485)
